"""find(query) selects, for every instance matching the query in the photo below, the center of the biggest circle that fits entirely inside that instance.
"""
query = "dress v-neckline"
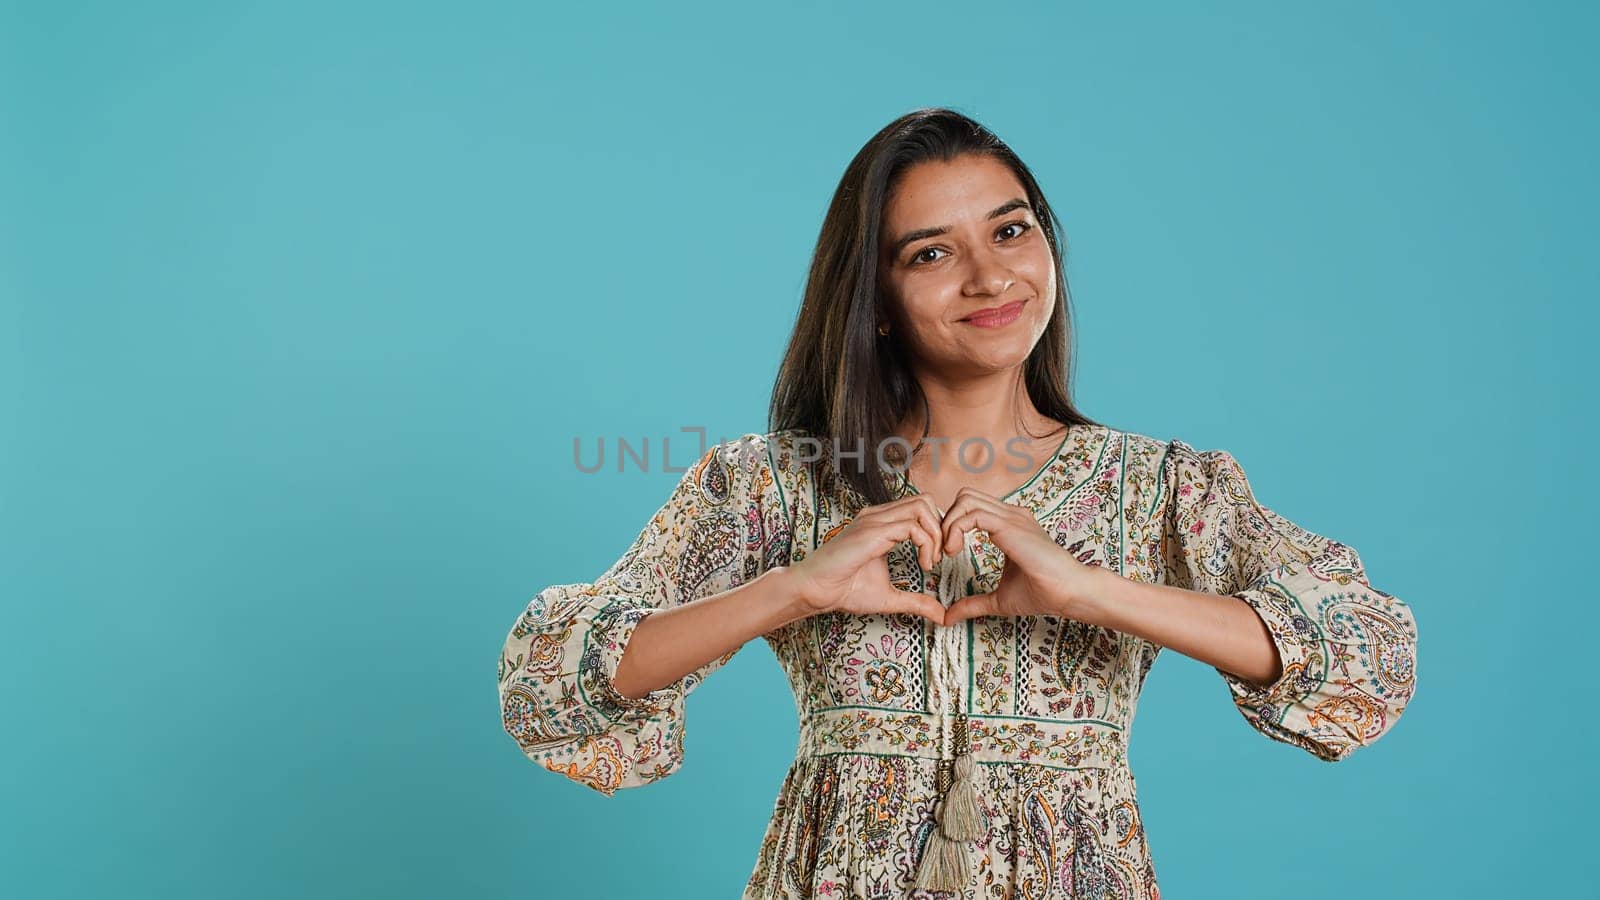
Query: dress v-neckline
(1025, 494)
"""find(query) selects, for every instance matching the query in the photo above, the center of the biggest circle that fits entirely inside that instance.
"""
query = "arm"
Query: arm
(673, 642)
(719, 532)
(1216, 630)
(1343, 666)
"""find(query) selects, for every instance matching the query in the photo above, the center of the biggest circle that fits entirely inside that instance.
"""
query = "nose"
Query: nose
(990, 274)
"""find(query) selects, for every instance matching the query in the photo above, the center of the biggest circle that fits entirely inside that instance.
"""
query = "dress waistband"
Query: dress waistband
(1074, 743)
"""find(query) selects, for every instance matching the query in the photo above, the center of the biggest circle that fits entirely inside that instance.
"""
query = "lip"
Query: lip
(996, 316)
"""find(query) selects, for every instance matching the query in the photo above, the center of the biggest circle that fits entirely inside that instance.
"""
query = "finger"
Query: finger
(927, 544)
(890, 533)
(925, 531)
(970, 607)
(891, 600)
(925, 535)
(927, 514)
(873, 513)
(918, 603)
(978, 514)
(952, 538)
(893, 506)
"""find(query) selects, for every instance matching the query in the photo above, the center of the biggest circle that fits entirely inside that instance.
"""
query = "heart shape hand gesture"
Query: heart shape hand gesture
(849, 573)
(1040, 578)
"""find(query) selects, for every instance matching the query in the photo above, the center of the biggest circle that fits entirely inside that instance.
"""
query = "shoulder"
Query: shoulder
(770, 470)
(1180, 473)
(1176, 454)
(1140, 442)
(788, 452)
(759, 463)
(1146, 451)
(1198, 480)
(754, 451)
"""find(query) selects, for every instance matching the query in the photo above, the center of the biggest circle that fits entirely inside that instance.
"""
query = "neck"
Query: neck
(994, 407)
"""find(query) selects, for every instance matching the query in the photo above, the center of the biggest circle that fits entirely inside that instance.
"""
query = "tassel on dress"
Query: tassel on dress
(947, 860)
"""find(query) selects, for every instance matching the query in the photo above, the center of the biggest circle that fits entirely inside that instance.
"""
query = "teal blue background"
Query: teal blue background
(305, 303)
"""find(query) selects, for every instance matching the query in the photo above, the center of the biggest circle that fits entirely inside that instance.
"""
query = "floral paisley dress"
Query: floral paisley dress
(1049, 701)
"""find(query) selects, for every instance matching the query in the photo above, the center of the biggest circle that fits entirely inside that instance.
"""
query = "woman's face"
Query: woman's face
(974, 244)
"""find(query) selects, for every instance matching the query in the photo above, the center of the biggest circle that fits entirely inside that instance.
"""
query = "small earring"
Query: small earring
(883, 328)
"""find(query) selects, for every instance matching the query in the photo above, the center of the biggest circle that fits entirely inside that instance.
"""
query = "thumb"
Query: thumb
(917, 603)
(970, 607)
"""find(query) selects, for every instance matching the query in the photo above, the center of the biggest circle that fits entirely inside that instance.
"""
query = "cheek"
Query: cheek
(1043, 276)
(1042, 322)
(1045, 296)
(1041, 265)
(924, 302)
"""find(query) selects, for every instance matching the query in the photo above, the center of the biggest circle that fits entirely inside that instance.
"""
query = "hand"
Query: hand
(850, 572)
(1040, 578)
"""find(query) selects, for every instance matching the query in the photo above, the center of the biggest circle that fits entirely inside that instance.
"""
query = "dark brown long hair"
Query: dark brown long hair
(836, 382)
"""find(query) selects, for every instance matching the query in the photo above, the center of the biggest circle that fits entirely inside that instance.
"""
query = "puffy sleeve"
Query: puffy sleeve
(1348, 648)
(721, 526)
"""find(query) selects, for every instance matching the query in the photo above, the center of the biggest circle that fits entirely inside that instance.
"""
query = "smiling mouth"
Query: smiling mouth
(1001, 315)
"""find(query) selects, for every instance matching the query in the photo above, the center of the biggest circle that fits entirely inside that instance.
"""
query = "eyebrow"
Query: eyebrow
(921, 233)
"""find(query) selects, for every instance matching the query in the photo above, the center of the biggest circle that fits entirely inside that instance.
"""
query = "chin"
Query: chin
(1001, 359)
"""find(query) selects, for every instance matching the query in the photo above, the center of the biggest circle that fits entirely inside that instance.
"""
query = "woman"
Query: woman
(966, 627)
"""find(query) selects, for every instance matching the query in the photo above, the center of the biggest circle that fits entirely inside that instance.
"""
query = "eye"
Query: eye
(1018, 224)
(917, 259)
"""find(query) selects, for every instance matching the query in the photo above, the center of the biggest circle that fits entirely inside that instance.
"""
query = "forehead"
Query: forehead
(936, 193)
